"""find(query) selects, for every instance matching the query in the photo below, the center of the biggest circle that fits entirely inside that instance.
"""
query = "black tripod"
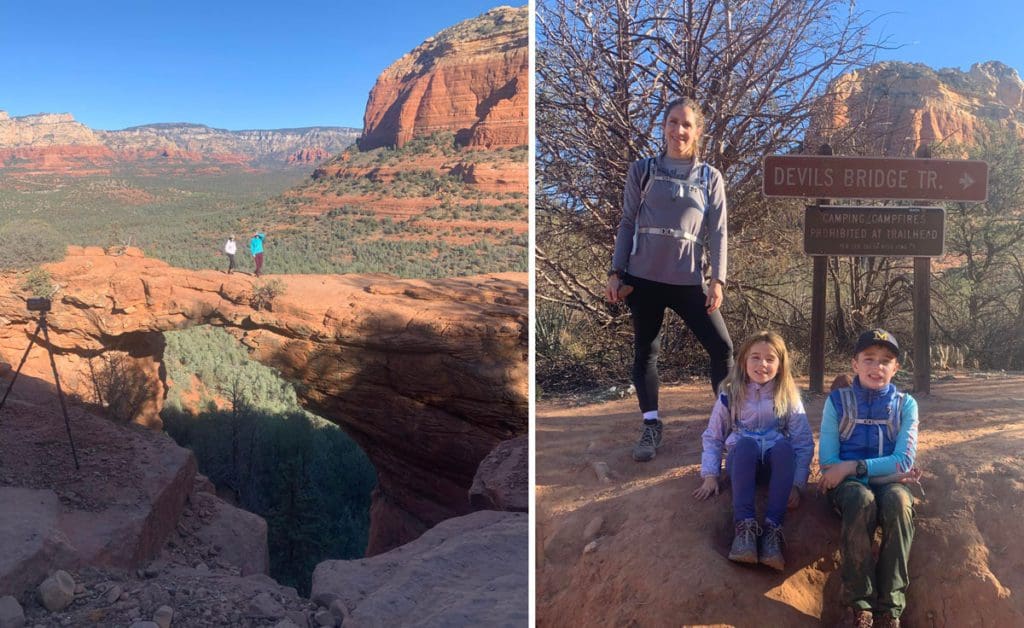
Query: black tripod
(56, 378)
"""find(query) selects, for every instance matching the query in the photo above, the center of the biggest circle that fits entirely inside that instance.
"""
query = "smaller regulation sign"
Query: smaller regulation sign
(874, 231)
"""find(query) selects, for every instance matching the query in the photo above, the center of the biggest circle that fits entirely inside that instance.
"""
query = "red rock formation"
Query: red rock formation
(496, 178)
(47, 143)
(68, 159)
(308, 155)
(427, 376)
(893, 108)
(467, 571)
(471, 79)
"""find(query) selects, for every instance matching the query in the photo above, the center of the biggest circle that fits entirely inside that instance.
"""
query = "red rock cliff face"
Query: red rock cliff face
(893, 108)
(471, 79)
(426, 375)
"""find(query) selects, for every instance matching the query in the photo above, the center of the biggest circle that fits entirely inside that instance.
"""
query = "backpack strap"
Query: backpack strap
(646, 181)
(848, 419)
(896, 415)
(705, 184)
(781, 423)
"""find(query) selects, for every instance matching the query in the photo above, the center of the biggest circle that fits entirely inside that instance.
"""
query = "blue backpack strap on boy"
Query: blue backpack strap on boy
(849, 419)
(647, 179)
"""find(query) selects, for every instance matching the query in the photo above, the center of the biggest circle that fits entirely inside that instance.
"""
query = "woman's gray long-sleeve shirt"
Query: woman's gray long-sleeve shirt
(673, 206)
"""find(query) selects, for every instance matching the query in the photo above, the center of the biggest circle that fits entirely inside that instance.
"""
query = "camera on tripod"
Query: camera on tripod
(42, 305)
(39, 304)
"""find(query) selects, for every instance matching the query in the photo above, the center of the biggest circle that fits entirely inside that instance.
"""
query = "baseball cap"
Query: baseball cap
(878, 337)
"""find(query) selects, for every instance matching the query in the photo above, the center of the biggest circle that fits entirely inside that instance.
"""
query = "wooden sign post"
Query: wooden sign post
(831, 230)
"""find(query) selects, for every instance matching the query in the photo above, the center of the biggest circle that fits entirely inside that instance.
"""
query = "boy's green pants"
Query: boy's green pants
(881, 585)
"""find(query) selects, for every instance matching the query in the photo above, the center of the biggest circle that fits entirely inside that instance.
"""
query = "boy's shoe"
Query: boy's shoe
(858, 618)
(650, 440)
(772, 543)
(744, 544)
(885, 620)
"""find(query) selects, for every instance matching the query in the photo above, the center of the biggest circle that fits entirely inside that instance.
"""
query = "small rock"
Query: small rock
(325, 618)
(57, 591)
(151, 572)
(144, 624)
(264, 605)
(339, 610)
(202, 567)
(163, 615)
(79, 588)
(298, 618)
(603, 471)
(591, 546)
(11, 613)
(113, 594)
(593, 528)
(285, 623)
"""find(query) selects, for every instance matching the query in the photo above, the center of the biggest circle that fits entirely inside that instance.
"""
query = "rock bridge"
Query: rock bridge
(427, 376)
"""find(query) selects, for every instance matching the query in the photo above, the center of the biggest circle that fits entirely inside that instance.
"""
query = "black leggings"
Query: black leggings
(647, 302)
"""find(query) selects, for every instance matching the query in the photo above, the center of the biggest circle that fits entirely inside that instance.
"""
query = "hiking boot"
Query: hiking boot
(858, 618)
(885, 620)
(650, 440)
(744, 544)
(772, 543)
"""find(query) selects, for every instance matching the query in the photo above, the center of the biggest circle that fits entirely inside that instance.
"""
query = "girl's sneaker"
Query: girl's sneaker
(771, 546)
(744, 544)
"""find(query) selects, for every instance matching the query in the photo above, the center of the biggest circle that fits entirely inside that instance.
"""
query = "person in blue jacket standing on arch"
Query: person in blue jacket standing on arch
(256, 248)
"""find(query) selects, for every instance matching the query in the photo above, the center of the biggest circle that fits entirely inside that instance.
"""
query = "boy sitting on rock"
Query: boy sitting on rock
(869, 434)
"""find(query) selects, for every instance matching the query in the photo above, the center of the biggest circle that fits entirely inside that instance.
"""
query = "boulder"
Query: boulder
(502, 481)
(470, 570)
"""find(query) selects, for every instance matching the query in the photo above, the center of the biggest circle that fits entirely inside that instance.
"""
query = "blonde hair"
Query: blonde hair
(786, 395)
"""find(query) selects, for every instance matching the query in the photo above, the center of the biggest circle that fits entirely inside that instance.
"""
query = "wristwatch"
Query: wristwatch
(862, 468)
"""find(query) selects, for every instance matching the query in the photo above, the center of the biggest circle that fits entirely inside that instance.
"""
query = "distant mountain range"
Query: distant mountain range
(56, 142)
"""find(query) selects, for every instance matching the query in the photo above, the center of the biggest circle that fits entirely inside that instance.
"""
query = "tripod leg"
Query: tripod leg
(60, 392)
(35, 338)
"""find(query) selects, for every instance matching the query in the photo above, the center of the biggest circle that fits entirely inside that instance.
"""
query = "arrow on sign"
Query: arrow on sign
(966, 181)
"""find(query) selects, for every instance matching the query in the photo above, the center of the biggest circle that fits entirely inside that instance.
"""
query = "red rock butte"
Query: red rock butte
(471, 79)
(427, 376)
(897, 107)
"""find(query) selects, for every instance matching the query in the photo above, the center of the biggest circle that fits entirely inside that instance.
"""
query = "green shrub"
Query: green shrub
(263, 294)
(26, 243)
(39, 283)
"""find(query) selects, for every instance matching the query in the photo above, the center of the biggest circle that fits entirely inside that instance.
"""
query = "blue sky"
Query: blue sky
(238, 65)
(943, 33)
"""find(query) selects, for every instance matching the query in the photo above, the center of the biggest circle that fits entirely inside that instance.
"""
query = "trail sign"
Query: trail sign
(815, 176)
(874, 231)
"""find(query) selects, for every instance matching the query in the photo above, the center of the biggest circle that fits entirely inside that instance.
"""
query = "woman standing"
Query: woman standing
(673, 216)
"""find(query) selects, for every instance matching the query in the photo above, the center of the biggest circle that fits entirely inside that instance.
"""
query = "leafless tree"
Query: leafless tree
(605, 71)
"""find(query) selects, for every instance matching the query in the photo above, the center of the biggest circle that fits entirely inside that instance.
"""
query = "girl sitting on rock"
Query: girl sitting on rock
(760, 420)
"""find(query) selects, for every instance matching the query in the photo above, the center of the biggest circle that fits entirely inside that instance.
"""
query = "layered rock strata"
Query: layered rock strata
(471, 79)
(893, 108)
(427, 376)
(58, 143)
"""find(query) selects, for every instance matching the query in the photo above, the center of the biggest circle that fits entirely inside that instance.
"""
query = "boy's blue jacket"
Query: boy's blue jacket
(896, 456)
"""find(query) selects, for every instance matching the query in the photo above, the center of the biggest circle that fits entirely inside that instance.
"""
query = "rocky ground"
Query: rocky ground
(207, 561)
(625, 544)
(136, 537)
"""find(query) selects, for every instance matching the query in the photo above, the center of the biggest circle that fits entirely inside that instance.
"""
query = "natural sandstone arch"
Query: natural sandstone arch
(426, 376)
